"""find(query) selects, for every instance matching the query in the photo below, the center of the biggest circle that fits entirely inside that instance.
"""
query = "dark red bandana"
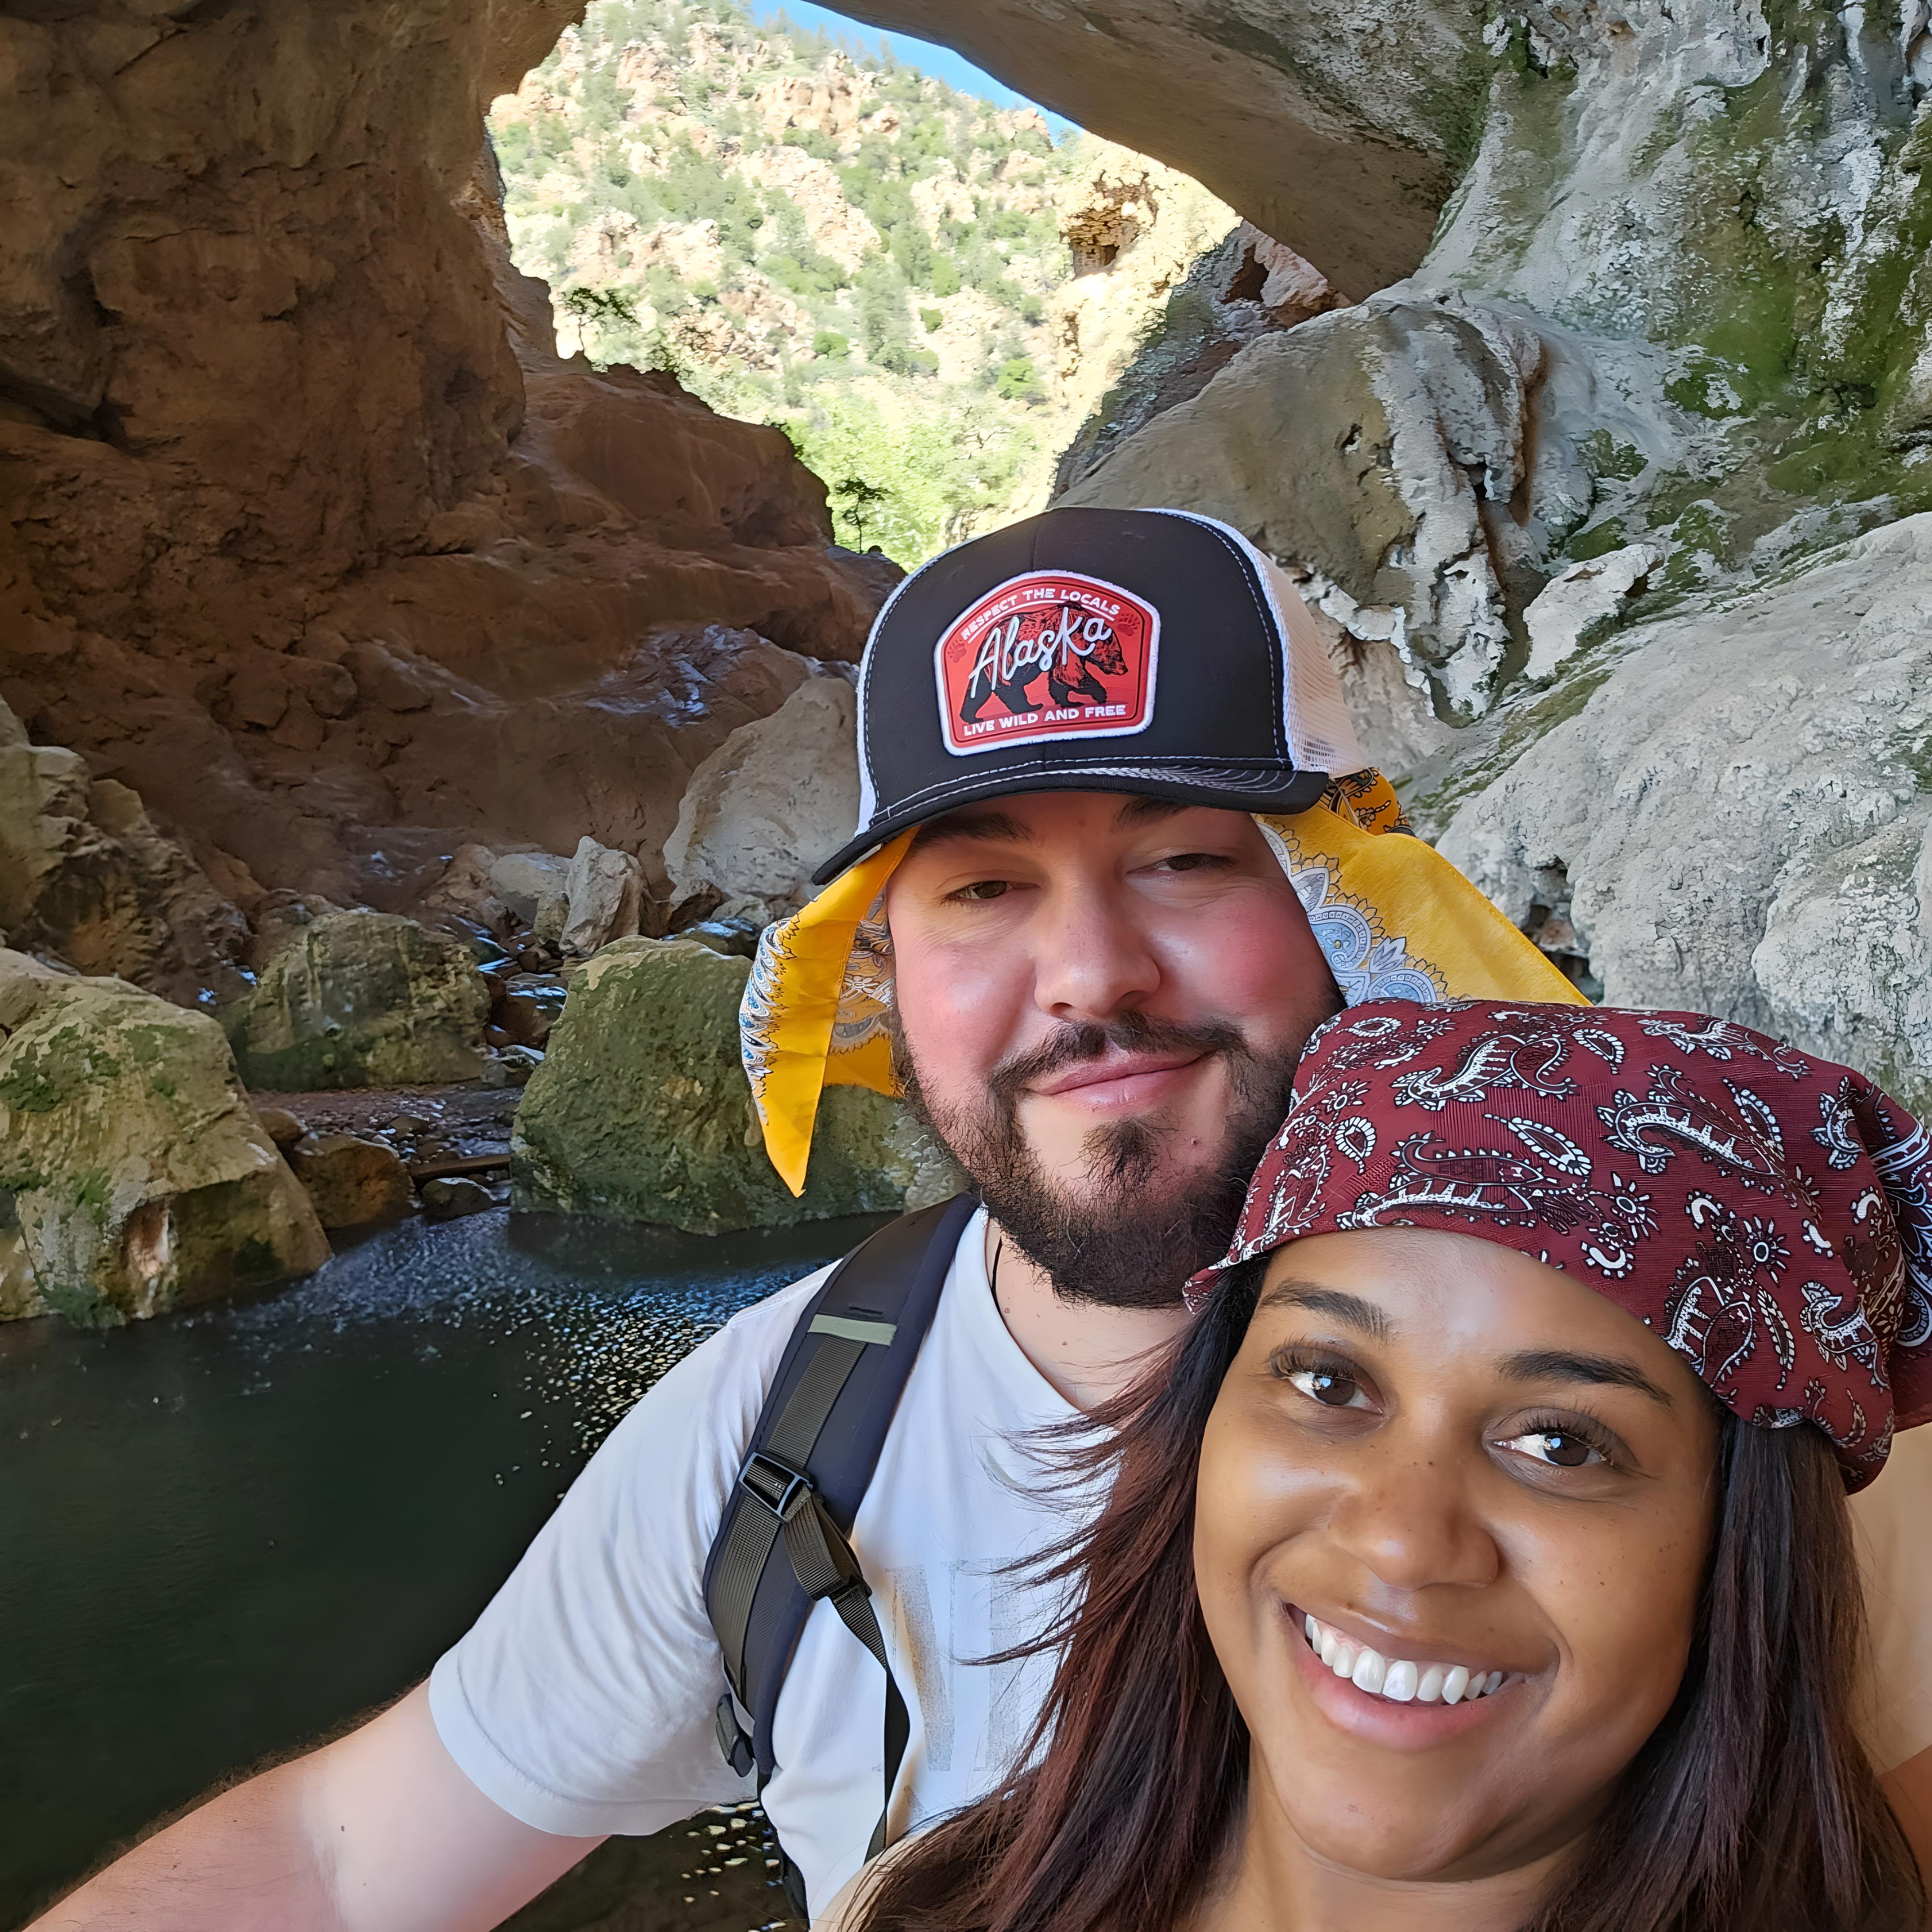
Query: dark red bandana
(1769, 1214)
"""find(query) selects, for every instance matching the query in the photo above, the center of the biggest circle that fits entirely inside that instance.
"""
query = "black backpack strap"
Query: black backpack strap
(783, 1543)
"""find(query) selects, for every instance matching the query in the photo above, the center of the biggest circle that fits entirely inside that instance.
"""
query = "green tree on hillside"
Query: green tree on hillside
(913, 463)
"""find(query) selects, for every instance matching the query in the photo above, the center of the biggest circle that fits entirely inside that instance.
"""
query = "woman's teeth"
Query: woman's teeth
(1395, 1678)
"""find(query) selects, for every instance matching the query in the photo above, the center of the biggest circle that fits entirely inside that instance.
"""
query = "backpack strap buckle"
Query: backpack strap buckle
(773, 1482)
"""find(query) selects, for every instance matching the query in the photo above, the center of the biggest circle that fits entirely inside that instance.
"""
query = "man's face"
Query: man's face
(1101, 1001)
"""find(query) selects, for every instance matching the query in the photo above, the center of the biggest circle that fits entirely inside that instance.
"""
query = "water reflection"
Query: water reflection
(224, 1533)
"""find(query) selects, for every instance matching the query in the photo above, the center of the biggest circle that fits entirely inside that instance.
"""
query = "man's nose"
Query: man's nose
(1092, 957)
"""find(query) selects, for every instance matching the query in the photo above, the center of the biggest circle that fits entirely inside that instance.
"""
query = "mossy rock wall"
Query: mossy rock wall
(641, 1110)
(134, 1176)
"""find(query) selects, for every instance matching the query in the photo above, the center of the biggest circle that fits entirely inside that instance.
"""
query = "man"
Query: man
(1063, 927)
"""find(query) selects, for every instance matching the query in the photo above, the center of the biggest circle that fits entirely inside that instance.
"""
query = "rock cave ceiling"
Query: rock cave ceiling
(1338, 128)
(307, 528)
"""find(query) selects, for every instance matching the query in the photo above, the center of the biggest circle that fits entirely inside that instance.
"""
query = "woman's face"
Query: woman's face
(1484, 1474)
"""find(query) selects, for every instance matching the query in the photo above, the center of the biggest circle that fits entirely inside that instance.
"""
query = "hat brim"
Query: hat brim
(1277, 789)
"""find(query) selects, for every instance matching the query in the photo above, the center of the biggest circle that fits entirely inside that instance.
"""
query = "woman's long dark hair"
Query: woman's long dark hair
(1753, 1806)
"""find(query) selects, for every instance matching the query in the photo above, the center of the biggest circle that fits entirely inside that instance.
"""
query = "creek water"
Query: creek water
(226, 1532)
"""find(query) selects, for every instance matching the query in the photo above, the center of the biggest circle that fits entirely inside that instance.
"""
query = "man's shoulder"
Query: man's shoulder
(743, 1358)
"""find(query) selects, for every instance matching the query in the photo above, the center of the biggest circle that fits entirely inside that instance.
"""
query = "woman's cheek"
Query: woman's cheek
(1239, 1520)
(1622, 1598)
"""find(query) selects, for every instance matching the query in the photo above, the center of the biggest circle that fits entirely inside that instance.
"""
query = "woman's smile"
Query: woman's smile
(1399, 1702)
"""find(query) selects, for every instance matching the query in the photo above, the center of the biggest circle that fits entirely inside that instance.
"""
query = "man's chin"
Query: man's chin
(1113, 1212)
(1125, 1228)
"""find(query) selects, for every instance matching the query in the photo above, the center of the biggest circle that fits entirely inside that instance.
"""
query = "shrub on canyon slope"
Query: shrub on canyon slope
(839, 245)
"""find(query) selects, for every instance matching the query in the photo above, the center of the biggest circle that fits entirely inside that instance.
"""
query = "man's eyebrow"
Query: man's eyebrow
(1335, 1302)
(992, 827)
(1141, 810)
(1560, 1365)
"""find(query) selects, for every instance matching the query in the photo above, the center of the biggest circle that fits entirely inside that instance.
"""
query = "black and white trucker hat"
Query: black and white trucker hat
(1151, 651)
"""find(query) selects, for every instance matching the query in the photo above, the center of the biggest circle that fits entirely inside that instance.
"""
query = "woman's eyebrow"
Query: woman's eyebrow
(1333, 1302)
(1560, 1365)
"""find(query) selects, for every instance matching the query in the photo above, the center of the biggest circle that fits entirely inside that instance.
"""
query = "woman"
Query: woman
(1481, 1561)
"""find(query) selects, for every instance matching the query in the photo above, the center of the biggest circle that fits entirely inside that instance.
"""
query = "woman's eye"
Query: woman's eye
(1561, 1448)
(1334, 1388)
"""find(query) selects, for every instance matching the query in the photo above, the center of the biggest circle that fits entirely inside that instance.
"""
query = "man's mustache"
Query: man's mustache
(1075, 1041)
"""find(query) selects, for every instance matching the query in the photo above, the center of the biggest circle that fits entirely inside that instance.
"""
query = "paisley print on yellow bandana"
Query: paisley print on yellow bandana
(1394, 919)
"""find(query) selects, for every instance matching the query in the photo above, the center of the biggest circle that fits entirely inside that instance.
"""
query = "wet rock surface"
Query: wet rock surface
(641, 1109)
(451, 1200)
(134, 1176)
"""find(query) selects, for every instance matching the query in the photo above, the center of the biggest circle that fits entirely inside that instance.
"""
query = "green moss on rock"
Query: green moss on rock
(138, 1179)
(641, 1110)
(362, 999)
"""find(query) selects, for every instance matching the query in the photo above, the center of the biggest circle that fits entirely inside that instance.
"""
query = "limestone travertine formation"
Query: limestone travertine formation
(134, 1176)
(362, 999)
(1338, 129)
(1369, 446)
(641, 1110)
(1246, 286)
(1732, 809)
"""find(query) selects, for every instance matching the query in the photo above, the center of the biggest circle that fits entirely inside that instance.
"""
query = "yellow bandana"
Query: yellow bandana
(1395, 920)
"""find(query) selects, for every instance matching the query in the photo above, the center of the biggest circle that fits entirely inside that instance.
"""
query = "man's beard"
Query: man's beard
(1125, 1240)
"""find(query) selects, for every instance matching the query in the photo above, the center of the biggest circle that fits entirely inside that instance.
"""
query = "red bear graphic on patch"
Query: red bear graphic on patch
(1050, 655)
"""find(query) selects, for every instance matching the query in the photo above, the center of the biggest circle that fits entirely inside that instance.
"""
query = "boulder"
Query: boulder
(641, 1110)
(466, 890)
(778, 796)
(604, 891)
(1730, 807)
(352, 1182)
(280, 1125)
(362, 999)
(523, 881)
(724, 935)
(1366, 448)
(510, 1066)
(451, 1199)
(279, 918)
(84, 875)
(134, 1176)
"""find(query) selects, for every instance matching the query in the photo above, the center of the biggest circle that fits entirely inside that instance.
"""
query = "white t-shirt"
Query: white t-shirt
(582, 1700)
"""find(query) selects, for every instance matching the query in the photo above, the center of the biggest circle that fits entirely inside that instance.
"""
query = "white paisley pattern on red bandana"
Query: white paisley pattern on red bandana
(1767, 1214)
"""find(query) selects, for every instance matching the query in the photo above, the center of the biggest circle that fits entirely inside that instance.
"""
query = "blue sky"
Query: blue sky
(941, 63)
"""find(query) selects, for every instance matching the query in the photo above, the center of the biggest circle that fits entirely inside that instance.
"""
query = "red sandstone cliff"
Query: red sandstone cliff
(305, 532)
